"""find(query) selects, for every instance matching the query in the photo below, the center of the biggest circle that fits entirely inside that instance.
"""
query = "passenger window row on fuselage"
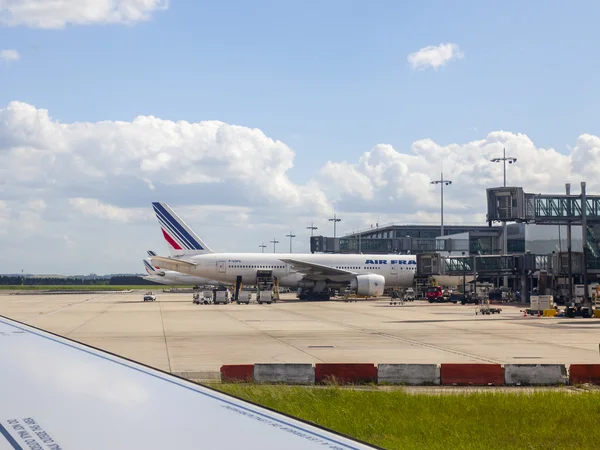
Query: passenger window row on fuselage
(283, 267)
(256, 267)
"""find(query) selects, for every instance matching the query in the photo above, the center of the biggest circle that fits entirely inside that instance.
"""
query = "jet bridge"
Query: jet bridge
(556, 264)
(512, 204)
(431, 264)
(488, 264)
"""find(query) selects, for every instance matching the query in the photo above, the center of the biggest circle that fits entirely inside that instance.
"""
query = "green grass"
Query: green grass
(397, 420)
(70, 287)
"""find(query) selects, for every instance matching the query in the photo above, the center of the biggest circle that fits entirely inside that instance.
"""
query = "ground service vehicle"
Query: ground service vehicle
(264, 297)
(149, 297)
(456, 297)
(434, 294)
(244, 297)
(222, 297)
(397, 298)
(202, 299)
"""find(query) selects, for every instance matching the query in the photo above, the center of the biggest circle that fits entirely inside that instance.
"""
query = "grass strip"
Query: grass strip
(397, 420)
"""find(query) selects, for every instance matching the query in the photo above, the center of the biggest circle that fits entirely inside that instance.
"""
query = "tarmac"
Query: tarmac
(193, 341)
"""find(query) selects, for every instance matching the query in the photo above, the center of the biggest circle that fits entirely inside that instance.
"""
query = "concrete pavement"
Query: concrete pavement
(174, 335)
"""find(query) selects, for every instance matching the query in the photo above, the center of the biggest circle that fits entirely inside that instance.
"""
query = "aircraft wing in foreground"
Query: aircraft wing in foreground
(59, 394)
(316, 271)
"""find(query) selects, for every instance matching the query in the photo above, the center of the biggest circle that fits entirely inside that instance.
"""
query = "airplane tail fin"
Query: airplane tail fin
(181, 239)
(151, 270)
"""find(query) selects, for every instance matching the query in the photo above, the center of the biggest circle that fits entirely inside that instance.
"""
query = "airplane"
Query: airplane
(171, 277)
(92, 399)
(313, 274)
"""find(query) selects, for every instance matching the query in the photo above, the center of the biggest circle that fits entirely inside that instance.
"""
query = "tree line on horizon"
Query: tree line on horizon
(122, 280)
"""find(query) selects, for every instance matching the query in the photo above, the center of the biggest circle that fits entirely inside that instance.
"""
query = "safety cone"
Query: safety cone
(539, 315)
(524, 313)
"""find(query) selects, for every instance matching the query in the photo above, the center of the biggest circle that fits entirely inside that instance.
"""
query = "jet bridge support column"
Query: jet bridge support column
(524, 288)
(570, 262)
(475, 278)
(586, 297)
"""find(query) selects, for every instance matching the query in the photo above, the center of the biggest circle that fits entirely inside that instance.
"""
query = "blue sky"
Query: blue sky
(329, 78)
(364, 131)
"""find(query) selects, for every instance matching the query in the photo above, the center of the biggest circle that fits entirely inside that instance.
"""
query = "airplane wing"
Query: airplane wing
(56, 393)
(317, 271)
(171, 263)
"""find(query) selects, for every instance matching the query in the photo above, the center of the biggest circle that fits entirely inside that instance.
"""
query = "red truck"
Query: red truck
(434, 294)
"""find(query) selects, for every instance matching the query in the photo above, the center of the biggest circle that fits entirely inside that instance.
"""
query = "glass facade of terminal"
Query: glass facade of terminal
(424, 239)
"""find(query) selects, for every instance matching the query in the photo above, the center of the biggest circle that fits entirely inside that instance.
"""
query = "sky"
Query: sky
(254, 119)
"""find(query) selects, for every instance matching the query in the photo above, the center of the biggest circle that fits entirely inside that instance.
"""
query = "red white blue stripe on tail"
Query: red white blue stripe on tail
(175, 231)
(149, 267)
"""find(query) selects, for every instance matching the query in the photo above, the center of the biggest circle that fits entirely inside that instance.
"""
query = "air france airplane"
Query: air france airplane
(171, 277)
(313, 274)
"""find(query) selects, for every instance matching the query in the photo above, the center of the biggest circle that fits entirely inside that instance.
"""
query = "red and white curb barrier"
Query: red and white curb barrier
(415, 374)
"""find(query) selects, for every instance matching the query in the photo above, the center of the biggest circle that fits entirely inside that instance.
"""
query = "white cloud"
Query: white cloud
(434, 56)
(69, 241)
(385, 180)
(77, 195)
(8, 55)
(30, 215)
(96, 181)
(92, 207)
(221, 162)
(56, 14)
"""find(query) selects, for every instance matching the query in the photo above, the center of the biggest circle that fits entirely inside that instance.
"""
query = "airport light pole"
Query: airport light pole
(504, 160)
(312, 228)
(274, 241)
(335, 220)
(262, 247)
(442, 182)
(291, 236)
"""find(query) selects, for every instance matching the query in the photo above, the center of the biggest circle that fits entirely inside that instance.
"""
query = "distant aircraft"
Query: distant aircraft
(171, 277)
(314, 274)
(94, 400)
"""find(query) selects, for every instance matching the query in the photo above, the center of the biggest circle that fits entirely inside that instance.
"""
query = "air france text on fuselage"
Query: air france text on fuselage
(393, 261)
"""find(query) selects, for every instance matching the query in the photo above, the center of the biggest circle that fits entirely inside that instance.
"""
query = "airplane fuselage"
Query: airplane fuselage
(398, 270)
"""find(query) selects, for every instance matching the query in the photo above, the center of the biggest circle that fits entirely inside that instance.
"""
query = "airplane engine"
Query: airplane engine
(370, 285)
(160, 273)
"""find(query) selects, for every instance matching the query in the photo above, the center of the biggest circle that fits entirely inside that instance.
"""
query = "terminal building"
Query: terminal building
(463, 241)
(529, 259)
(415, 239)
